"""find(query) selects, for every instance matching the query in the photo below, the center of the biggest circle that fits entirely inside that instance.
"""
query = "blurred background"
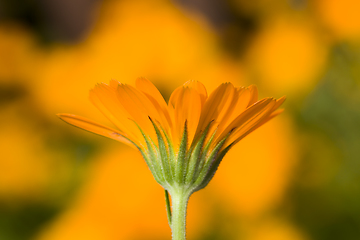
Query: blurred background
(296, 178)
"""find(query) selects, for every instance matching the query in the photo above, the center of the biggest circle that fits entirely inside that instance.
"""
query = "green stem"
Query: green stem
(179, 201)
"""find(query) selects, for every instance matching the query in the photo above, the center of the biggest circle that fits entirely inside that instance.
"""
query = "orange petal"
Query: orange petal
(155, 97)
(114, 84)
(216, 107)
(279, 102)
(254, 94)
(240, 102)
(247, 115)
(251, 120)
(275, 111)
(94, 127)
(171, 109)
(271, 116)
(187, 108)
(138, 107)
(199, 87)
(174, 96)
(149, 89)
(104, 98)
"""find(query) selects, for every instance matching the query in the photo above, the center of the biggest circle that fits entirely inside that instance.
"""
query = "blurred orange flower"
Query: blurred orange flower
(274, 229)
(341, 17)
(287, 56)
(27, 163)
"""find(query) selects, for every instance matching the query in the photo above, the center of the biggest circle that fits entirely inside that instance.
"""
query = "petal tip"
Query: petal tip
(61, 115)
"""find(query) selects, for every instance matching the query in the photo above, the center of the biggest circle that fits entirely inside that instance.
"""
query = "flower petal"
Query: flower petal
(275, 111)
(199, 87)
(279, 102)
(250, 120)
(139, 107)
(149, 89)
(240, 102)
(104, 98)
(96, 128)
(249, 116)
(187, 108)
(155, 97)
(217, 106)
(254, 94)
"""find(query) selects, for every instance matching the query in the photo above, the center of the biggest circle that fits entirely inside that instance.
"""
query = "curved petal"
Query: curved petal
(254, 94)
(199, 87)
(248, 122)
(139, 107)
(149, 89)
(171, 109)
(240, 102)
(217, 106)
(174, 96)
(250, 115)
(94, 127)
(104, 98)
(275, 111)
(187, 108)
(279, 102)
(155, 97)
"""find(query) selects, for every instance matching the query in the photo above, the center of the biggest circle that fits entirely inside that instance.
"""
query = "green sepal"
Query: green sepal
(170, 147)
(156, 169)
(199, 182)
(164, 157)
(152, 161)
(168, 208)
(211, 172)
(203, 157)
(180, 163)
(195, 157)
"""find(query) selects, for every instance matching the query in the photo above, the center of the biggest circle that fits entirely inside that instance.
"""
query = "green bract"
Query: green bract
(191, 168)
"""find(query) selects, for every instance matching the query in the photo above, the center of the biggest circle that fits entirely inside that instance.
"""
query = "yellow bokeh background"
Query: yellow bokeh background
(58, 182)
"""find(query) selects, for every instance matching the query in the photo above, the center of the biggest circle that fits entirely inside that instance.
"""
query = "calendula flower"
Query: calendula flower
(182, 141)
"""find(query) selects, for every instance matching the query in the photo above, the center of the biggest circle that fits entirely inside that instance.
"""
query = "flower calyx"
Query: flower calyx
(187, 168)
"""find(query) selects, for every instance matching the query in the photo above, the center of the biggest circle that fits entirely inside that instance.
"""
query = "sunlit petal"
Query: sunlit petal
(94, 127)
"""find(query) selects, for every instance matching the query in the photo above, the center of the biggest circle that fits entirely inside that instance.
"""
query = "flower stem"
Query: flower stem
(179, 201)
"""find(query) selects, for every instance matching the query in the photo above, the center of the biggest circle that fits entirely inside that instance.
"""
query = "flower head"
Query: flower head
(182, 141)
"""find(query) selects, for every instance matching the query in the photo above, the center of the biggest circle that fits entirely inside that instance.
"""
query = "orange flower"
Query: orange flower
(189, 122)
(182, 141)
